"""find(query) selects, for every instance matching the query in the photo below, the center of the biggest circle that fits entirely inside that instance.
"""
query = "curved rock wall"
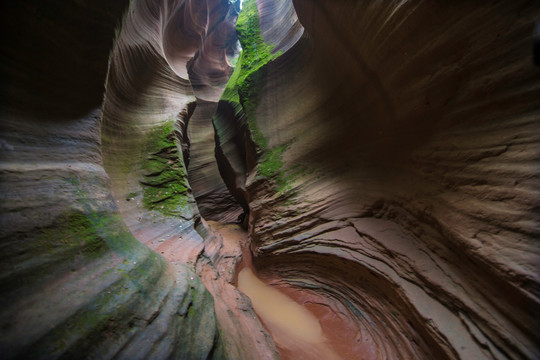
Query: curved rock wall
(75, 281)
(387, 154)
(158, 144)
(400, 175)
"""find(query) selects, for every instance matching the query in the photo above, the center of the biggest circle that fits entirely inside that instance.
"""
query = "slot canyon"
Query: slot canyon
(270, 179)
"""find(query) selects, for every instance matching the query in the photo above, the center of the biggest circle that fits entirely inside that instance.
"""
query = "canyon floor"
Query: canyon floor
(301, 323)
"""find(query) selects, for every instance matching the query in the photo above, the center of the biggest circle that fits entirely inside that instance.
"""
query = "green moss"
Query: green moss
(249, 98)
(255, 51)
(271, 165)
(271, 162)
(131, 195)
(72, 232)
(244, 88)
(103, 224)
(255, 54)
(164, 176)
(159, 137)
(289, 176)
(81, 330)
(231, 89)
(243, 83)
(191, 312)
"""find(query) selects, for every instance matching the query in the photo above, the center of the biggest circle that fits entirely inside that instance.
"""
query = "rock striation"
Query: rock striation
(385, 156)
(396, 172)
(89, 179)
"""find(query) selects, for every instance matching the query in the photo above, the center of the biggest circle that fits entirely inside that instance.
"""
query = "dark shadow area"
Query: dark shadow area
(54, 55)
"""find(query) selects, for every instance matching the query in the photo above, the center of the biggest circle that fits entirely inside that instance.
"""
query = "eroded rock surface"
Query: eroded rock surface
(76, 279)
(385, 154)
(397, 172)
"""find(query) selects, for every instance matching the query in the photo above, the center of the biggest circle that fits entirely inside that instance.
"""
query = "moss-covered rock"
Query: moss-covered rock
(243, 88)
(72, 231)
(164, 182)
(255, 51)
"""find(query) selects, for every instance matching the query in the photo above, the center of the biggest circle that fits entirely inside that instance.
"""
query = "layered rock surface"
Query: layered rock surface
(386, 154)
(397, 172)
(76, 281)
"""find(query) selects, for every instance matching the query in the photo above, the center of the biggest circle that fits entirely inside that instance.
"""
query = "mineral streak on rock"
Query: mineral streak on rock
(385, 153)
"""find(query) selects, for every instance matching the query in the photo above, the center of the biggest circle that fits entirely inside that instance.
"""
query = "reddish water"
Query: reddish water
(301, 323)
(293, 327)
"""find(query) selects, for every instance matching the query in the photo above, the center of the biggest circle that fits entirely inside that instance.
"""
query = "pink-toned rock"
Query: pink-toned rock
(386, 161)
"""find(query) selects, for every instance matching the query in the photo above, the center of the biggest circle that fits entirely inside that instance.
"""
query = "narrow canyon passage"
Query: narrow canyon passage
(269, 179)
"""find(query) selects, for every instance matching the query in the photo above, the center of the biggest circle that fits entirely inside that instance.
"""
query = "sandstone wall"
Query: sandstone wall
(386, 154)
(400, 177)
(76, 279)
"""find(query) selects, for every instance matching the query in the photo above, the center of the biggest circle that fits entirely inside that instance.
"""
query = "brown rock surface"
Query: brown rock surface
(405, 137)
(386, 154)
